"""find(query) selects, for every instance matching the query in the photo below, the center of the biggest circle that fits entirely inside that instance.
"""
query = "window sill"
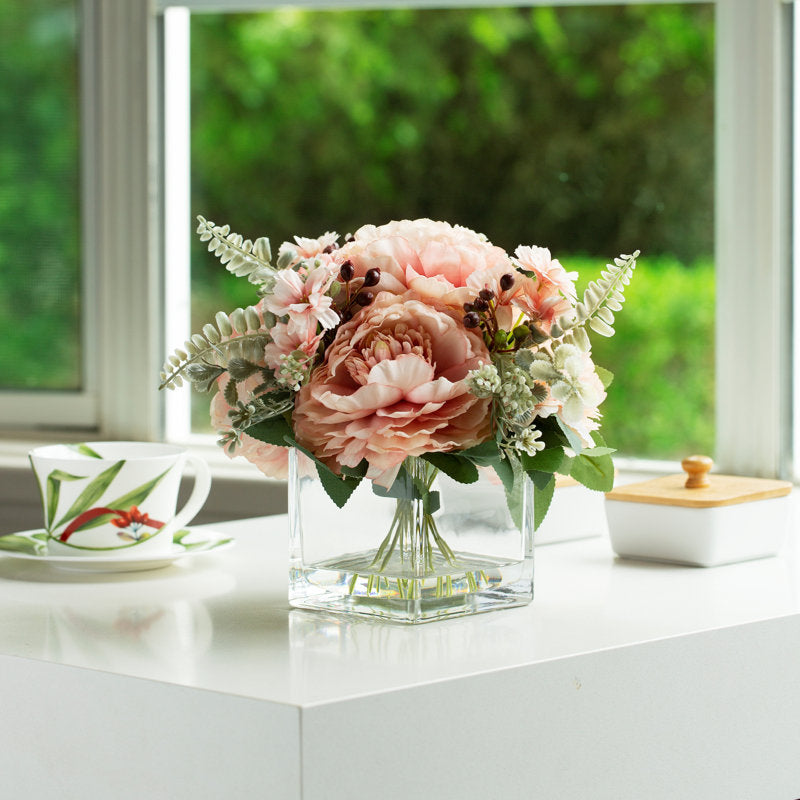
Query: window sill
(234, 494)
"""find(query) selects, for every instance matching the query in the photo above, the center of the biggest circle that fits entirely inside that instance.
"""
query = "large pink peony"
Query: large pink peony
(435, 259)
(392, 385)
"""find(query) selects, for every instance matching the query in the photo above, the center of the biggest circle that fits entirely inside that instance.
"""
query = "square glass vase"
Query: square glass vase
(455, 550)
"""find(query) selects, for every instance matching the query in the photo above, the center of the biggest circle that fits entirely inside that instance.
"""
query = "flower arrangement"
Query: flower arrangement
(407, 349)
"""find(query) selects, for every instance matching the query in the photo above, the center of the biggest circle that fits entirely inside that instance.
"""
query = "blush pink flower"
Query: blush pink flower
(308, 248)
(435, 259)
(392, 385)
(541, 302)
(303, 297)
(548, 269)
(273, 461)
(527, 299)
(289, 337)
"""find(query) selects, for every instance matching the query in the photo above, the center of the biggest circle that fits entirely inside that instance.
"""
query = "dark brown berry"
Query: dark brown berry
(372, 277)
(331, 247)
(471, 320)
(480, 304)
(486, 294)
(469, 307)
(346, 271)
(364, 298)
(506, 281)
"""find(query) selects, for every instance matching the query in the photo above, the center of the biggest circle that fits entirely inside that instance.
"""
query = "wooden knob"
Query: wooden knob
(697, 468)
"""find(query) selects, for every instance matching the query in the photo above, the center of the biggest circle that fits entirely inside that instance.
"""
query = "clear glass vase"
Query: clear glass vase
(440, 549)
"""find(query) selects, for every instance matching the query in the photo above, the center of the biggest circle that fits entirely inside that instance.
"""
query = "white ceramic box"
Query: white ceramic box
(723, 520)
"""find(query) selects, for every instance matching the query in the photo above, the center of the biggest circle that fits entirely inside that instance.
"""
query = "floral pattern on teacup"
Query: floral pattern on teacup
(87, 511)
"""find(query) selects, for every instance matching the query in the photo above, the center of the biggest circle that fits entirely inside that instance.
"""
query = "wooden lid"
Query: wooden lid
(562, 481)
(699, 489)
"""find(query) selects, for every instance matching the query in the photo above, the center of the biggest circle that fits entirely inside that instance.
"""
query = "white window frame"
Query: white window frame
(126, 243)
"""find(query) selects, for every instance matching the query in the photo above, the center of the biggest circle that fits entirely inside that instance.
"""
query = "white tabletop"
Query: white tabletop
(222, 622)
(621, 680)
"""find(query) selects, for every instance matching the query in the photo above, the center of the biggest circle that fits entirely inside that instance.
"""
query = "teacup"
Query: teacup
(115, 498)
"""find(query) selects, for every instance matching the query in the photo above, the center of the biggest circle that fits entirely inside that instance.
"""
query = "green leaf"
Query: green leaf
(126, 501)
(231, 393)
(457, 467)
(240, 369)
(540, 479)
(542, 497)
(17, 543)
(403, 487)
(594, 473)
(506, 470)
(337, 488)
(606, 376)
(523, 358)
(596, 452)
(574, 440)
(54, 490)
(357, 472)
(485, 454)
(431, 502)
(85, 450)
(274, 430)
(515, 492)
(548, 460)
(92, 493)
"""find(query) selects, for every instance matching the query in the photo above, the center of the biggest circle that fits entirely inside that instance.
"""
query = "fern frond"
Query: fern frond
(600, 300)
(206, 355)
(240, 256)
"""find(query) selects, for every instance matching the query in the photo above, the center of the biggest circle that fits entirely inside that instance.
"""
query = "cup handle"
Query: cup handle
(202, 486)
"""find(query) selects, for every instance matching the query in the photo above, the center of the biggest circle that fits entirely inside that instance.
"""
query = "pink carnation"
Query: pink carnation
(308, 248)
(548, 270)
(289, 337)
(303, 296)
(392, 385)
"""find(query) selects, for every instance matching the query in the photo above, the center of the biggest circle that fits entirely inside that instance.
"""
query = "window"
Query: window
(42, 295)
(585, 129)
(123, 227)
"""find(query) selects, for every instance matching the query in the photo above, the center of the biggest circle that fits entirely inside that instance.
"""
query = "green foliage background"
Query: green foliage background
(587, 130)
(39, 196)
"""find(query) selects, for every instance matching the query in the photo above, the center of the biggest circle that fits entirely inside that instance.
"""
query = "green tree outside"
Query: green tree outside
(585, 129)
(39, 196)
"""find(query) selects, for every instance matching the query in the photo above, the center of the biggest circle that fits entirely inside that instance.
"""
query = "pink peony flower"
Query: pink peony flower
(302, 297)
(273, 461)
(392, 385)
(435, 259)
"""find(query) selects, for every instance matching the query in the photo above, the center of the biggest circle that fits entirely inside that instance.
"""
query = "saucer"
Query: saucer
(32, 546)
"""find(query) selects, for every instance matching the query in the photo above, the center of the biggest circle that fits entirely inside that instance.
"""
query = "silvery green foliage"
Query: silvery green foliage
(243, 415)
(600, 300)
(228, 341)
(239, 255)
